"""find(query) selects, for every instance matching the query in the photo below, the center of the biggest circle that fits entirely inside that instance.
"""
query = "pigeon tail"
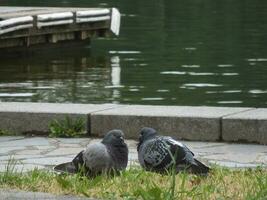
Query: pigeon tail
(71, 167)
(198, 167)
(78, 160)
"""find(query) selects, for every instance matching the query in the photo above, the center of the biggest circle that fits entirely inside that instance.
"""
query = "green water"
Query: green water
(194, 52)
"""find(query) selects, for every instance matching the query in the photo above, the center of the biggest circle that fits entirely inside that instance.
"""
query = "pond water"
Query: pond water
(194, 52)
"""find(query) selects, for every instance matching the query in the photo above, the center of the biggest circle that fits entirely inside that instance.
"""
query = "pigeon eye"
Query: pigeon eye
(118, 137)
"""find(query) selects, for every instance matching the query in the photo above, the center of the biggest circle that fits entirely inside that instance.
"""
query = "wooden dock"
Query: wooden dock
(29, 26)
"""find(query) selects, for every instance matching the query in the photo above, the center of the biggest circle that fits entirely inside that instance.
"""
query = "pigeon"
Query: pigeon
(108, 156)
(162, 154)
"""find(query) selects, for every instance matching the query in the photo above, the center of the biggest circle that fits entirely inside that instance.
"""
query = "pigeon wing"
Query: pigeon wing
(178, 144)
(185, 158)
(153, 152)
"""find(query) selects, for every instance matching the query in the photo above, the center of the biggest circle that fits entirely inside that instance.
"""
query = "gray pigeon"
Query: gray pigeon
(159, 153)
(109, 155)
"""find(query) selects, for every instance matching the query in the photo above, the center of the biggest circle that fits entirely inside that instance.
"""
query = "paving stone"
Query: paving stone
(46, 148)
(186, 122)
(261, 158)
(29, 152)
(10, 138)
(38, 141)
(200, 145)
(132, 156)
(233, 164)
(48, 160)
(238, 158)
(20, 167)
(70, 145)
(64, 151)
(72, 140)
(9, 150)
(231, 148)
(19, 157)
(85, 142)
(249, 126)
(36, 117)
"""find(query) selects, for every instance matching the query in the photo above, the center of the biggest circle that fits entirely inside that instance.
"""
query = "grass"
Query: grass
(135, 183)
(5, 133)
(67, 127)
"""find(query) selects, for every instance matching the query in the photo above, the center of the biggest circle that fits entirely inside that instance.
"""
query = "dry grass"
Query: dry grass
(135, 183)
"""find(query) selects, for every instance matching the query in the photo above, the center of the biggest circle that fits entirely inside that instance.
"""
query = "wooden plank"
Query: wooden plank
(11, 12)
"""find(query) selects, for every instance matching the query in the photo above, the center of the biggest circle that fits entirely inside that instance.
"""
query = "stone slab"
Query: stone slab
(19, 168)
(181, 122)
(20, 118)
(249, 126)
(21, 142)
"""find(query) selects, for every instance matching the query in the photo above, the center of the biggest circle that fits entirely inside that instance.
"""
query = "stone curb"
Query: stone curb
(249, 126)
(35, 117)
(182, 122)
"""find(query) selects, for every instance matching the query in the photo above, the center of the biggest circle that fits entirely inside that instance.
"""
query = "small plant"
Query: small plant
(67, 127)
(5, 132)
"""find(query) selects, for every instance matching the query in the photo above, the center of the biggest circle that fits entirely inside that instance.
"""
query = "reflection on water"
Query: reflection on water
(55, 77)
(169, 52)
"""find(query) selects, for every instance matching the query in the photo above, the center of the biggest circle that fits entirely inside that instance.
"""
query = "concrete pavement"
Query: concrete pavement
(45, 153)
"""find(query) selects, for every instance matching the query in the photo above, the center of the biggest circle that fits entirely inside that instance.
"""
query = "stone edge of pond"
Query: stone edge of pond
(201, 123)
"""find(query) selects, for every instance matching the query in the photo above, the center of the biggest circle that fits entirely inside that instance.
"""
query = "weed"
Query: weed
(5, 133)
(67, 128)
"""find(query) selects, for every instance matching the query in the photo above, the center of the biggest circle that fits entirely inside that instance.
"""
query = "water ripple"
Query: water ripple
(257, 91)
(173, 72)
(225, 65)
(257, 59)
(230, 102)
(201, 73)
(124, 52)
(190, 66)
(230, 74)
(161, 90)
(199, 85)
(153, 99)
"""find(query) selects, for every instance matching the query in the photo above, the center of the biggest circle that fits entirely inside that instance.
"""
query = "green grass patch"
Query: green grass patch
(67, 127)
(5, 133)
(135, 183)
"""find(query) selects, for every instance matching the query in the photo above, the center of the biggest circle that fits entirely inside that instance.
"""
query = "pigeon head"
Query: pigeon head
(114, 137)
(145, 134)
